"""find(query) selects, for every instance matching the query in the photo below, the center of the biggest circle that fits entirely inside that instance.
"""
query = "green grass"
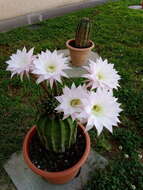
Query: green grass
(118, 36)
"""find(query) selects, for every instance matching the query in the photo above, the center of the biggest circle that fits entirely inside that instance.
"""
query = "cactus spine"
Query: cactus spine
(83, 33)
(56, 134)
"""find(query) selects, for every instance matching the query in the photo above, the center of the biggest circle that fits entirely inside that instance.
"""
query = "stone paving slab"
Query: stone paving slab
(78, 71)
(136, 7)
(25, 179)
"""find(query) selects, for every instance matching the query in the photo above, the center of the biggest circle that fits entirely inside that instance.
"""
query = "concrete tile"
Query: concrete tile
(25, 179)
(136, 7)
(78, 71)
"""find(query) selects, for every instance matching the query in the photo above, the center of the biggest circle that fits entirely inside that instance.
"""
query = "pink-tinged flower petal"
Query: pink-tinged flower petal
(71, 101)
(21, 62)
(51, 82)
(101, 74)
(101, 111)
(50, 66)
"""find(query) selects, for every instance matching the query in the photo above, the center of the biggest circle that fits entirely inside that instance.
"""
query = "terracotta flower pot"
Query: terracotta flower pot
(55, 177)
(79, 56)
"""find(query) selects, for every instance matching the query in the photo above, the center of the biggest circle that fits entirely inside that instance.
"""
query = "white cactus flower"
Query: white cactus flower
(101, 74)
(71, 101)
(102, 110)
(21, 62)
(50, 66)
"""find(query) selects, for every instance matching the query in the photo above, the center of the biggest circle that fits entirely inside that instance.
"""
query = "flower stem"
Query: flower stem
(55, 89)
(43, 84)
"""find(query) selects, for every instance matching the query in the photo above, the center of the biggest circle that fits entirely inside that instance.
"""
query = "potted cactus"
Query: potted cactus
(58, 145)
(81, 46)
(142, 4)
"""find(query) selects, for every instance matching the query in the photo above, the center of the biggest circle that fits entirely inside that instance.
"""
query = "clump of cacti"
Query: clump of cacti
(83, 33)
(56, 135)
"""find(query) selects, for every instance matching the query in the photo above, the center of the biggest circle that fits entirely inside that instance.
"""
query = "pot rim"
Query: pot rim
(27, 138)
(79, 49)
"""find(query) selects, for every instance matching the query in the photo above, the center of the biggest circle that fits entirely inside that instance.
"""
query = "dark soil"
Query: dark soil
(51, 161)
(72, 43)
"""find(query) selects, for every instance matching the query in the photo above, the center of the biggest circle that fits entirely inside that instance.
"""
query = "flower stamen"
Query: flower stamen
(96, 109)
(75, 102)
(100, 76)
(51, 68)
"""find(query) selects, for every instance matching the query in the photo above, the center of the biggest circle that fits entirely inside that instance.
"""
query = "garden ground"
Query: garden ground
(118, 36)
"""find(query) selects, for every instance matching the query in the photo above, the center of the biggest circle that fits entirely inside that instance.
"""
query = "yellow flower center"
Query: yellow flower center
(75, 102)
(51, 68)
(100, 76)
(96, 109)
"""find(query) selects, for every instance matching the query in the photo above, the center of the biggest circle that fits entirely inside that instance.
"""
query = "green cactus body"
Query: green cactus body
(56, 134)
(83, 33)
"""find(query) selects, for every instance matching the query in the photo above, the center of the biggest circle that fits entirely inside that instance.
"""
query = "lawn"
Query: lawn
(118, 36)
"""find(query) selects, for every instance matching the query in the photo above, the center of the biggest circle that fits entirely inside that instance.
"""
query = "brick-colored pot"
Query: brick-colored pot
(55, 177)
(79, 56)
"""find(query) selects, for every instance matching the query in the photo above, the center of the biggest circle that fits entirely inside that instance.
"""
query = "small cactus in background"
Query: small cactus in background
(83, 33)
(142, 3)
(56, 135)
